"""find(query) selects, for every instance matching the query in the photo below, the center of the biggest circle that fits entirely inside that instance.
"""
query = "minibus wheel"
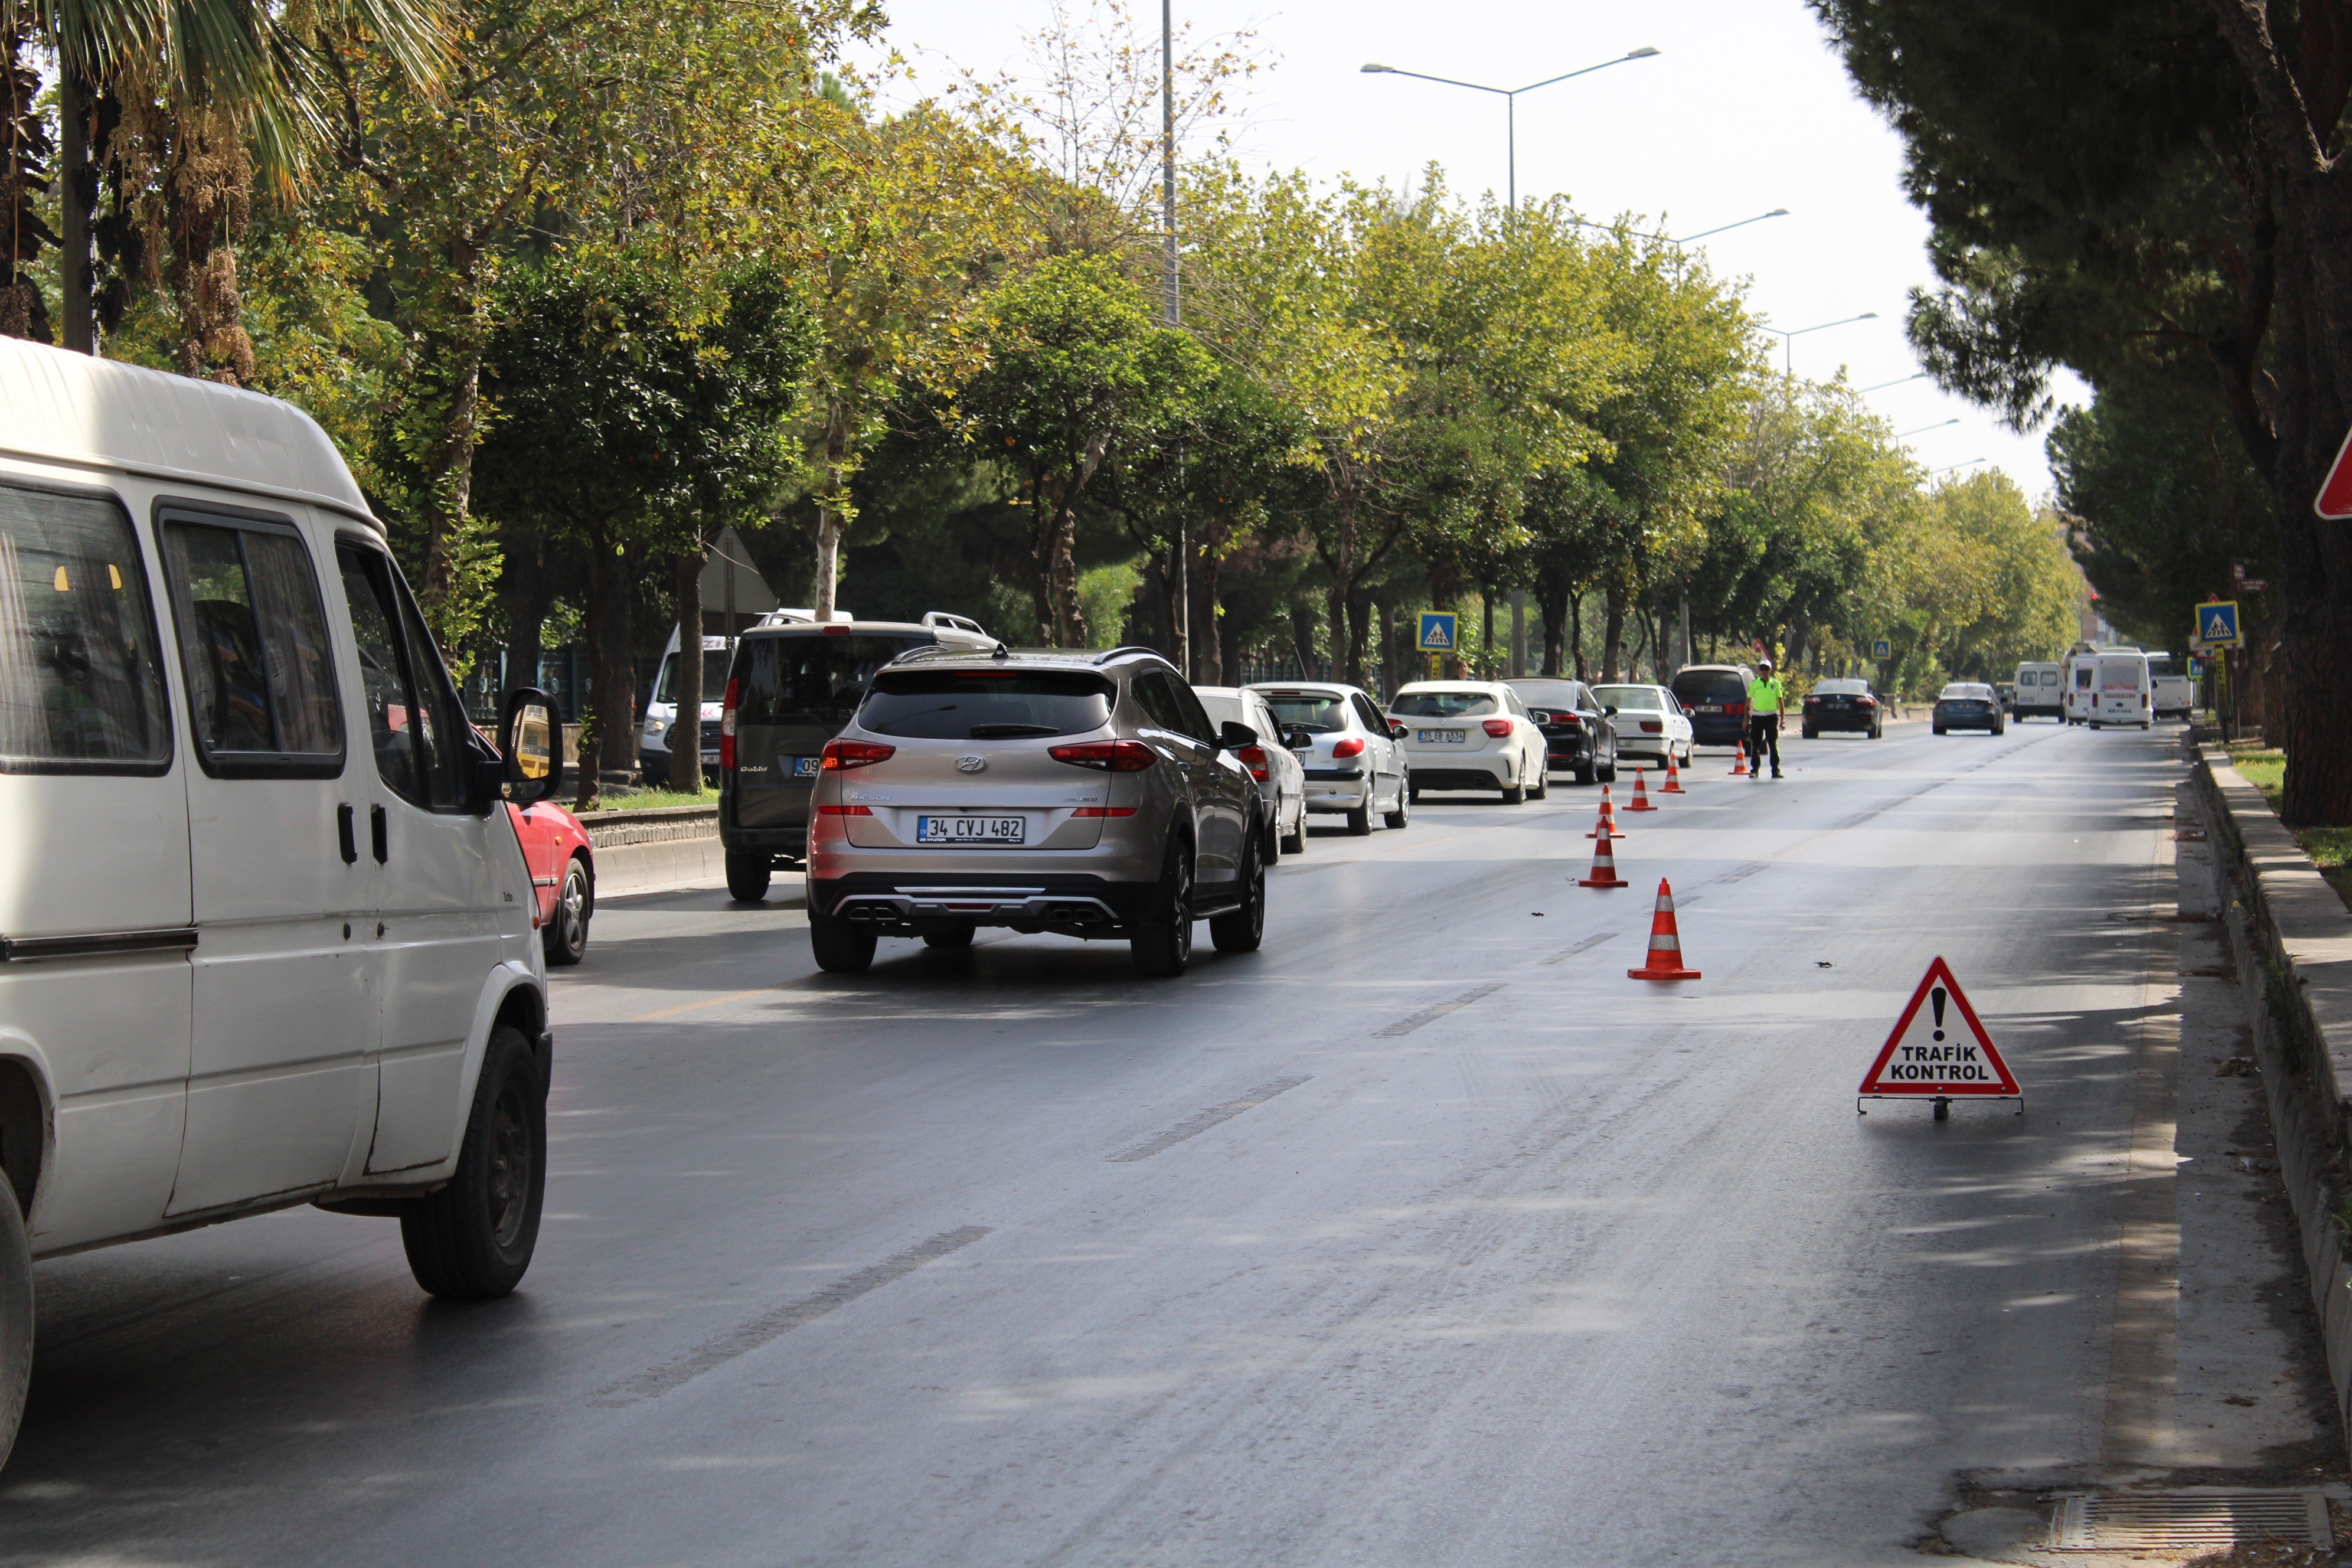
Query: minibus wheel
(15, 1319)
(473, 1239)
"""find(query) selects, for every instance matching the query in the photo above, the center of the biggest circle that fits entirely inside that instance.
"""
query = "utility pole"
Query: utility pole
(1179, 597)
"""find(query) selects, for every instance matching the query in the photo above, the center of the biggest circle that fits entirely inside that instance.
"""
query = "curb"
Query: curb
(2291, 938)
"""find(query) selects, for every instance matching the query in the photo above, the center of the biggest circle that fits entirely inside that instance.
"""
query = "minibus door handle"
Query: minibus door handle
(378, 834)
(345, 832)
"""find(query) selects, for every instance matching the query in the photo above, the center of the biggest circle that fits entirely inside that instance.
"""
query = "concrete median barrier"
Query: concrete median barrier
(662, 847)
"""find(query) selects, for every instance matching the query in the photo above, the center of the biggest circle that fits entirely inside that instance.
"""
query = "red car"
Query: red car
(563, 872)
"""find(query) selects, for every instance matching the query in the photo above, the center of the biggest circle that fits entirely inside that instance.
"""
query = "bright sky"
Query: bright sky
(1744, 109)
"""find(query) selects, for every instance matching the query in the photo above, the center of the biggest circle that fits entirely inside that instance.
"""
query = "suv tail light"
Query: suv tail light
(1737, 710)
(1105, 756)
(854, 754)
(1254, 759)
(1353, 746)
(727, 729)
(1500, 729)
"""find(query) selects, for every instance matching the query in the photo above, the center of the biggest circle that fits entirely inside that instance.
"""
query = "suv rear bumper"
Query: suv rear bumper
(1070, 904)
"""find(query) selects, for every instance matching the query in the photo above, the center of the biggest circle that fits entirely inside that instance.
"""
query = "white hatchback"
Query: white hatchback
(1470, 734)
(1650, 723)
(1351, 759)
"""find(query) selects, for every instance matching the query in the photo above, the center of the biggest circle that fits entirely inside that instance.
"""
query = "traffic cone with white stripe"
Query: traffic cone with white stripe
(1641, 801)
(1665, 961)
(1739, 762)
(1607, 826)
(1604, 868)
(1673, 784)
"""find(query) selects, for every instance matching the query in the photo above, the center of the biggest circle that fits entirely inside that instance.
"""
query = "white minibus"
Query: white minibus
(265, 934)
(2037, 693)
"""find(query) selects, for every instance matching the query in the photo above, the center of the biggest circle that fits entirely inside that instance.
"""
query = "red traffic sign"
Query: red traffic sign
(1939, 1048)
(2334, 500)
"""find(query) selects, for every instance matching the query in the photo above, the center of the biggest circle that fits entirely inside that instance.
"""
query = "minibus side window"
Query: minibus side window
(253, 643)
(413, 720)
(81, 677)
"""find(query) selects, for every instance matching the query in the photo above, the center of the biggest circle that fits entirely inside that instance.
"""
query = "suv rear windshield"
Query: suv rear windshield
(986, 704)
(1442, 705)
(1316, 711)
(1710, 686)
(818, 679)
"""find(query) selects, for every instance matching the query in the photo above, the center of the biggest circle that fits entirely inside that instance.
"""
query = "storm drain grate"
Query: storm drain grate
(2197, 1519)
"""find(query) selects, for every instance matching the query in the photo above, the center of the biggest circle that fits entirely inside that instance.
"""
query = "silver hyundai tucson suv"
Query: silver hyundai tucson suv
(1045, 790)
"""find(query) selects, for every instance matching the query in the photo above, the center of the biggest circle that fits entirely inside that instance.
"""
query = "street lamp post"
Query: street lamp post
(1923, 429)
(1681, 238)
(1510, 96)
(1898, 381)
(1791, 337)
(1955, 468)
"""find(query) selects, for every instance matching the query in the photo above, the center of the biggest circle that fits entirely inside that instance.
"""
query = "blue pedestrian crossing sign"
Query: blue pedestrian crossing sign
(1882, 649)
(2217, 623)
(1437, 631)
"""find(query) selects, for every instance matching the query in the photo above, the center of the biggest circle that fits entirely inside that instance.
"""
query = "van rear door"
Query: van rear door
(793, 693)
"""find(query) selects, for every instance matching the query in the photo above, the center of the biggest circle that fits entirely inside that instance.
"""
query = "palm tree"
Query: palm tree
(223, 90)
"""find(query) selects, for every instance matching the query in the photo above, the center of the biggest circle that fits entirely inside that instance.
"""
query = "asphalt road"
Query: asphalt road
(1423, 1236)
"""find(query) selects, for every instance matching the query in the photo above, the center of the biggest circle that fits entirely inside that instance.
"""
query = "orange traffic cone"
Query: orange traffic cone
(1673, 784)
(1665, 961)
(1641, 801)
(1604, 869)
(1607, 826)
(1740, 762)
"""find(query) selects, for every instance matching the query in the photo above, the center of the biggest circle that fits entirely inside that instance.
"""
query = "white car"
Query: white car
(266, 936)
(1352, 758)
(1650, 723)
(1281, 776)
(1470, 734)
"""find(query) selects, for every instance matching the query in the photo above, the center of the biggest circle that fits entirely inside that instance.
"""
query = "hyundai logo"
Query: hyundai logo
(970, 764)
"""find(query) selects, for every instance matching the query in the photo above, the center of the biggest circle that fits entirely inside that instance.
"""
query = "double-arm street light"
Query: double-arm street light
(1791, 337)
(1683, 238)
(1955, 468)
(1923, 429)
(1898, 381)
(1510, 96)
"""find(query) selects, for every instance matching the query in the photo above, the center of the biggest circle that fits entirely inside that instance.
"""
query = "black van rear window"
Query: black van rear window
(986, 704)
(1710, 686)
(812, 679)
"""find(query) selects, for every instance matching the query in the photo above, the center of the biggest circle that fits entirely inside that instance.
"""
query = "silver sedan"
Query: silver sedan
(1281, 776)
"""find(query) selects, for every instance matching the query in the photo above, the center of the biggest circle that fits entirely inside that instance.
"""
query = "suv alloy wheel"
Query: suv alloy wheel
(1163, 946)
(1242, 930)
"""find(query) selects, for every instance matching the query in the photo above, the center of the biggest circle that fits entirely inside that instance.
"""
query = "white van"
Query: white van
(2037, 694)
(264, 937)
(653, 736)
(2121, 691)
(2173, 694)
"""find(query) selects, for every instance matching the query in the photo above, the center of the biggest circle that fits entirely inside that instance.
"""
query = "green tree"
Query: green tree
(1076, 375)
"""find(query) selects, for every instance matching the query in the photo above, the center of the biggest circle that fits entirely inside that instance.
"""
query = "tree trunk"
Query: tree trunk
(1614, 634)
(1302, 637)
(1360, 608)
(1486, 633)
(613, 677)
(78, 200)
(686, 734)
(528, 597)
(1576, 632)
(1551, 603)
(1206, 649)
(27, 169)
(831, 521)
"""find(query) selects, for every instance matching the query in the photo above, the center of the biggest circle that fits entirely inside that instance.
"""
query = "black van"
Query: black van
(1716, 696)
(790, 689)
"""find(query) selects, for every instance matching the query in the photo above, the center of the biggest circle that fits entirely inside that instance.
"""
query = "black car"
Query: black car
(1715, 697)
(1968, 705)
(1579, 736)
(791, 687)
(1848, 705)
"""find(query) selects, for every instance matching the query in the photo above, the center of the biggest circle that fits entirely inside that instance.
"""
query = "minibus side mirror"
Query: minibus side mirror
(533, 757)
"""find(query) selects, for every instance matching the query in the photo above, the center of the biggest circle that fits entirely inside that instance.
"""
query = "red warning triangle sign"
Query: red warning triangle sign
(1938, 1047)
(2334, 501)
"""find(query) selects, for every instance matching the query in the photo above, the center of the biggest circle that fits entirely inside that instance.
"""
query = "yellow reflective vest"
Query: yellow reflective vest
(1765, 696)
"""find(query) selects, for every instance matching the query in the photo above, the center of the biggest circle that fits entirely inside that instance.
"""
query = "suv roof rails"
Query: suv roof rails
(1125, 648)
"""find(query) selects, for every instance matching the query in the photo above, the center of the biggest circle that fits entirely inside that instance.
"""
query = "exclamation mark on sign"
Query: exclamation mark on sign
(1936, 999)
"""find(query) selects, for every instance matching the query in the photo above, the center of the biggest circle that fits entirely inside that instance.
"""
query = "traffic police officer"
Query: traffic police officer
(1765, 700)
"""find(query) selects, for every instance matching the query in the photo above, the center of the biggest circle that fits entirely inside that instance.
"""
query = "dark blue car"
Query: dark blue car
(1715, 697)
